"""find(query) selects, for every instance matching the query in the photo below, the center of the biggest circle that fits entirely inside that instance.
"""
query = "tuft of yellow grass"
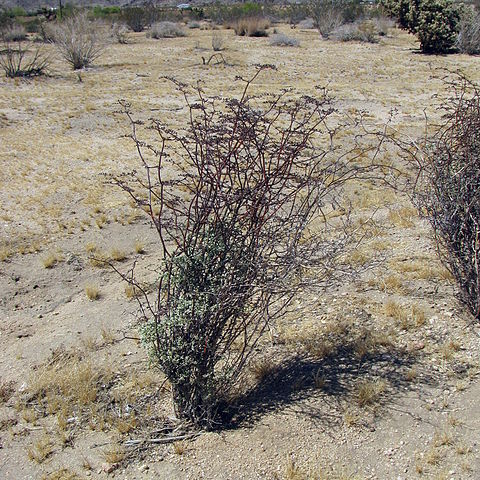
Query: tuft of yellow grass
(92, 292)
(41, 449)
(368, 393)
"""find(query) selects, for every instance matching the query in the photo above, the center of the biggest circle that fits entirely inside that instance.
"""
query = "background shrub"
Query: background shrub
(18, 61)
(282, 40)
(135, 18)
(327, 15)
(14, 33)
(166, 30)
(79, 41)
(437, 25)
(435, 22)
(468, 39)
(449, 189)
(120, 33)
(364, 31)
(218, 41)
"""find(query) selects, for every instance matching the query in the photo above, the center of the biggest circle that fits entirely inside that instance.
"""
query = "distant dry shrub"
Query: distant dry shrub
(251, 27)
(135, 18)
(356, 32)
(14, 33)
(282, 40)
(18, 61)
(79, 40)
(218, 41)
(468, 39)
(166, 30)
(120, 33)
(327, 15)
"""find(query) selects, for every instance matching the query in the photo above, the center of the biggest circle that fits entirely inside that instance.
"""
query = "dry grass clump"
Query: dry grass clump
(41, 449)
(139, 247)
(262, 369)
(324, 340)
(92, 292)
(117, 255)
(114, 454)
(180, 447)
(50, 259)
(406, 317)
(166, 30)
(218, 41)
(251, 27)
(367, 393)
(81, 393)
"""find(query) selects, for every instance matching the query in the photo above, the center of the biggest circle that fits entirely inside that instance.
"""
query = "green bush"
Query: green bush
(437, 25)
(103, 12)
(435, 22)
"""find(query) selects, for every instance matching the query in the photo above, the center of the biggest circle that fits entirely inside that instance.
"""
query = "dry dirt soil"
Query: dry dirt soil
(375, 378)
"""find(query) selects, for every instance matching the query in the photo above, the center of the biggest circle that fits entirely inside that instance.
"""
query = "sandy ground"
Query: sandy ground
(60, 135)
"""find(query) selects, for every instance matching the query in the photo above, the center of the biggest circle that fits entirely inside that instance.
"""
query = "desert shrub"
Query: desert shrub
(437, 25)
(251, 27)
(46, 32)
(297, 12)
(307, 24)
(5, 19)
(33, 26)
(282, 40)
(468, 39)
(232, 196)
(79, 40)
(17, 12)
(353, 10)
(19, 61)
(166, 30)
(135, 18)
(14, 33)
(120, 33)
(356, 32)
(448, 192)
(218, 41)
(435, 22)
(398, 9)
(382, 24)
(327, 15)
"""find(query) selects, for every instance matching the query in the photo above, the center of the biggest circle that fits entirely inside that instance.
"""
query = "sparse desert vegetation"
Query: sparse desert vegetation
(369, 369)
